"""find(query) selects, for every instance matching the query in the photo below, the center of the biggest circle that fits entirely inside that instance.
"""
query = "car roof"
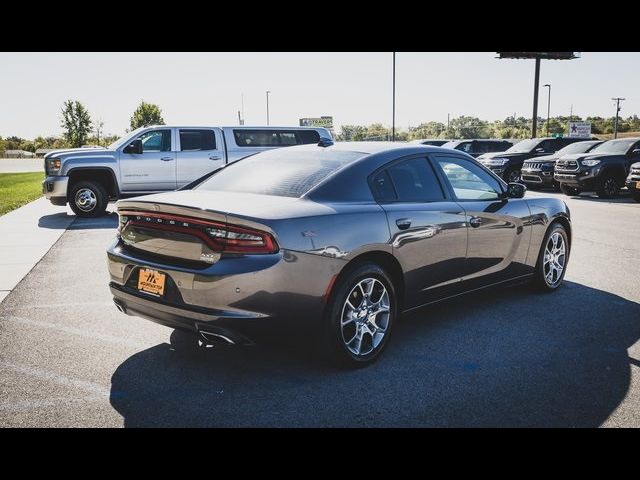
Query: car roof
(369, 148)
(247, 127)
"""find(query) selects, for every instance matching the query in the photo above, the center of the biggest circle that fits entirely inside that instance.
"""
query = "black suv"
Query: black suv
(602, 170)
(538, 172)
(508, 164)
(476, 148)
(633, 181)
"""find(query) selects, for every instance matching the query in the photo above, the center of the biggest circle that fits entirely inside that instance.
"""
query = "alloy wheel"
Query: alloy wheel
(365, 316)
(610, 187)
(554, 259)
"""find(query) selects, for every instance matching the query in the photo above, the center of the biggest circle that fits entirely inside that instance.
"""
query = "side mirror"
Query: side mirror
(635, 152)
(516, 190)
(134, 147)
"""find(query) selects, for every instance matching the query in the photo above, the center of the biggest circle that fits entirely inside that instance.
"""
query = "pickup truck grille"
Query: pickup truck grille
(566, 165)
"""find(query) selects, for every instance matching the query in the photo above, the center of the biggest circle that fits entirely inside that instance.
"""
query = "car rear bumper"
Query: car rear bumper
(248, 294)
(55, 189)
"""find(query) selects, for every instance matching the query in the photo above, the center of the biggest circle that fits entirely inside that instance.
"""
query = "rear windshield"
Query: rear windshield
(282, 172)
(614, 146)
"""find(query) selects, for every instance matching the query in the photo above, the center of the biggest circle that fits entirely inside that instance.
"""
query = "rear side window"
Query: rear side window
(412, 180)
(282, 172)
(194, 140)
(274, 138)
(466, 147)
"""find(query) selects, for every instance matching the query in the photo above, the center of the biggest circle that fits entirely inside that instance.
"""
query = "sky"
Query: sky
(354, 88)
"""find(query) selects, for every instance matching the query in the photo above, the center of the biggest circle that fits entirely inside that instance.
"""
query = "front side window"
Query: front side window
(307, 136)
(156, 141)
(469, 181)
(415, 181)
(466, 147)
(195, 140)
(288, 138)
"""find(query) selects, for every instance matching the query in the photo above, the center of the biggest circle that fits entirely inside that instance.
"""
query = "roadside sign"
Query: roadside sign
(580, 129)
(326, 122)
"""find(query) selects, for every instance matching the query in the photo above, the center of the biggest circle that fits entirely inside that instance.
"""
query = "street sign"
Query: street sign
(580, 129)
(326, 122)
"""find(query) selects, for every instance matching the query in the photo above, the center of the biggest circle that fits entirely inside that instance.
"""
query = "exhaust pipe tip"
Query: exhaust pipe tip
(212, 339)
(120, 306)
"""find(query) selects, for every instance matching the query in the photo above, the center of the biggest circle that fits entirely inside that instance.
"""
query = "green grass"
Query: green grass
(16, 189)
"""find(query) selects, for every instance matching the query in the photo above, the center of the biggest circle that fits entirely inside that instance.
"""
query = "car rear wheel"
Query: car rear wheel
(552, 259)
(568, 190)
(360, 316)
(88, 199)
(608, 187)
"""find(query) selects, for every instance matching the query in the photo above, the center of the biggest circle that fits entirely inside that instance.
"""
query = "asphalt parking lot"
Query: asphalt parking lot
(501, 357)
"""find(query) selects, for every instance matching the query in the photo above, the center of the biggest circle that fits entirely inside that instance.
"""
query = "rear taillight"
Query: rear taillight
(217, 236)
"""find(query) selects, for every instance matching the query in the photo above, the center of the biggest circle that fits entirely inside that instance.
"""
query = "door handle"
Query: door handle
(403, 223)
(475, 222)
(214, 157)
(166, 159)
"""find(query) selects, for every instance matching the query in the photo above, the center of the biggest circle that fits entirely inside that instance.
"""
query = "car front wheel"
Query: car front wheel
(361, 315)
(608, 187)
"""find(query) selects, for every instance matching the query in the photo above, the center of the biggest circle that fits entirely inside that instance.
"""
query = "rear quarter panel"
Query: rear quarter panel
(543, 212)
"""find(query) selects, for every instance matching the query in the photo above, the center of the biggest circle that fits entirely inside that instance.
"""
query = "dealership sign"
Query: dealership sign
(326, 122)
(580, 129)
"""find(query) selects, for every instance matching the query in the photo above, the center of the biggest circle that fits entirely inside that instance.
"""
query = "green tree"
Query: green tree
(426, 130)
(146, 114)
(60, 143)
(76, 123)
(351, 133)
(13, 142)
(467, 127)
(28, 146)
(377, 132)
(2, 147)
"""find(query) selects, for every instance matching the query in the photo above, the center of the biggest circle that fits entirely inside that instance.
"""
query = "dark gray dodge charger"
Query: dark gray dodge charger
(330, 241)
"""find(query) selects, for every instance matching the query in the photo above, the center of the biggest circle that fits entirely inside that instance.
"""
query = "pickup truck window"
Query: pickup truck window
(156, 141)
(195, 140)
(274, 138)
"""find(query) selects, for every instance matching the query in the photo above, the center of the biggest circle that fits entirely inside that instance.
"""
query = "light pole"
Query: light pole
(393, 115)
(615, 127)
(548, 106)
(268, 92)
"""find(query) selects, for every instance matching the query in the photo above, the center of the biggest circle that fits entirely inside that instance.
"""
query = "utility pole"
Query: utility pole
(536, 86)
(571, 113)
(447, 124)
(242, 107)
(239, 118)
(615, 127)
(268, 92)
(548, 106)
(393, 115)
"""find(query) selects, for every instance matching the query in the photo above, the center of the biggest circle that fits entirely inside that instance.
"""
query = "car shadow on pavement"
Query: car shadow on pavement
(502, 357)
(622, 198)
(57, 221)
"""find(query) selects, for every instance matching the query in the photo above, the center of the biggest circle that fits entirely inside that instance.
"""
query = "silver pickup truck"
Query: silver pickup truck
(156, 159)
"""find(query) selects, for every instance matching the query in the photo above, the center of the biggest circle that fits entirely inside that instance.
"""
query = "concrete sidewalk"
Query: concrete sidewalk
(19, 165)
(26, 235)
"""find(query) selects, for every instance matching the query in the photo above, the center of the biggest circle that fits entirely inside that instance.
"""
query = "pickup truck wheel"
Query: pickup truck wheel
(567, 190)
(608, 187)
(88, 199)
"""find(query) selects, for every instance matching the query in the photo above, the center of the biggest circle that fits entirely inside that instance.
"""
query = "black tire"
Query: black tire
(335, 346)
(556, 186)
(88, 199)
(567, 190)
(540, 280)
(512, 175)
(608, 187)
(636, 196)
